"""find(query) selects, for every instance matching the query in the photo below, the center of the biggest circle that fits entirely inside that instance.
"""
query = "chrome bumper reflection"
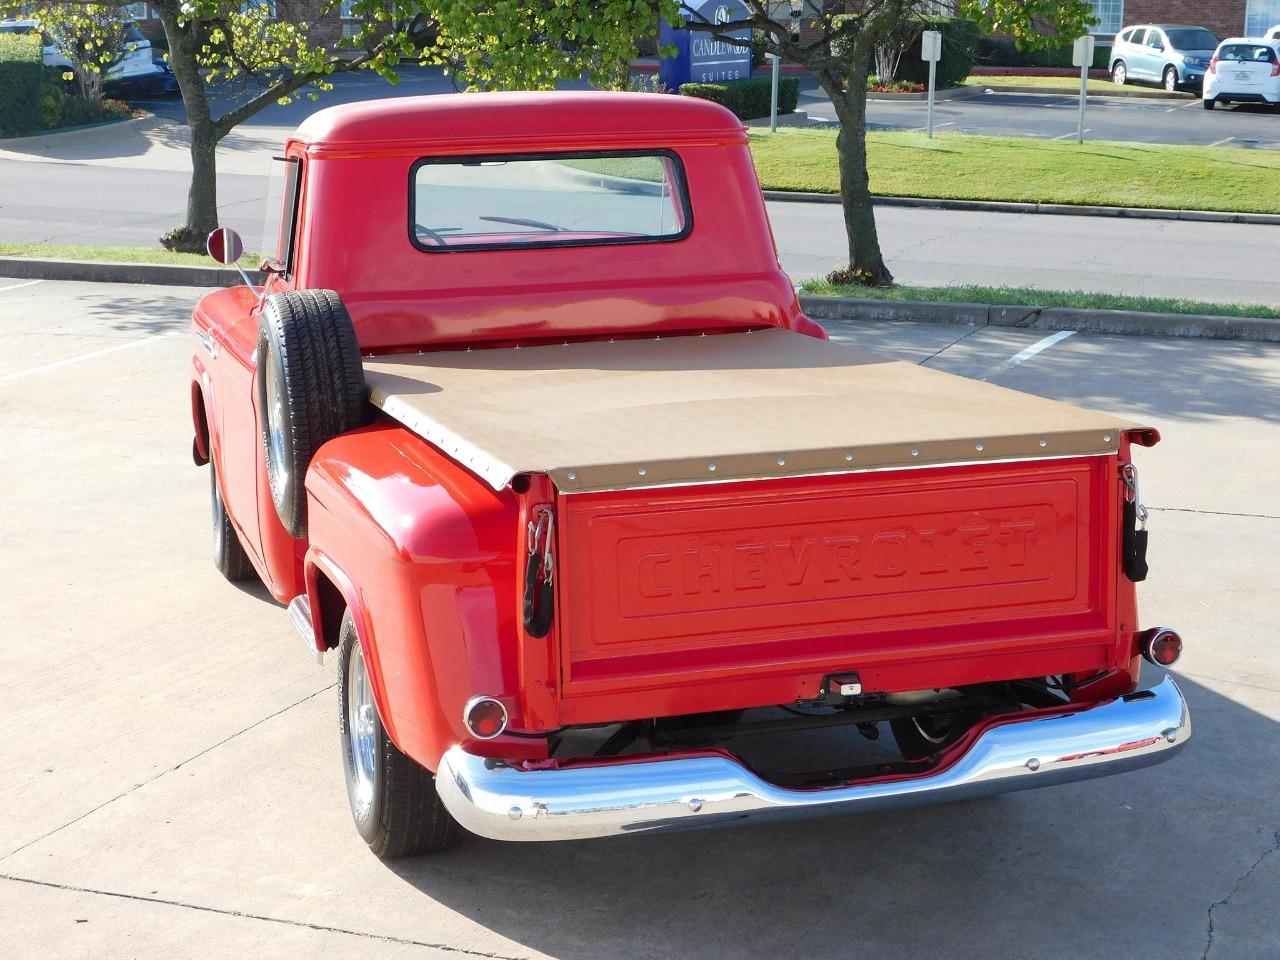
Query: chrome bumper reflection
(504, 803)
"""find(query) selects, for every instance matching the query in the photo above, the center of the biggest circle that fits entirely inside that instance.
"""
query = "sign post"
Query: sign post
(1082, 57)
(773, 95)
(931, 53)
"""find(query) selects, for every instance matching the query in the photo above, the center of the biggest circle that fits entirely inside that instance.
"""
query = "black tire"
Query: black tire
(1119, 73)
(924, 735)
(310, 388)
(1209, 104)
(402, 816)
(228, 555)
(1171, 79)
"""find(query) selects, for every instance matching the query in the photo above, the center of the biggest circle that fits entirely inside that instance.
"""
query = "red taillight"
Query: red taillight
(1161, 646)
(484, 717)
(1275, 69)
(1213, 64)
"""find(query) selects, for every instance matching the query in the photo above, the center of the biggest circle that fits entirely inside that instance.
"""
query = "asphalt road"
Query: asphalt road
(173, 787)
(108, 203)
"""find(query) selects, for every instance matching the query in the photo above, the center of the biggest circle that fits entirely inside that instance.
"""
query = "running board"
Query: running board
(300, 616)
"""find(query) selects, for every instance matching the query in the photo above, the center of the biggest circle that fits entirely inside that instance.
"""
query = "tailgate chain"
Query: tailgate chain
(539, 577)
(1135, 526)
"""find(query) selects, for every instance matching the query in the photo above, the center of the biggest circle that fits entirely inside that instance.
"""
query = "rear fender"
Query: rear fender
(424, 554)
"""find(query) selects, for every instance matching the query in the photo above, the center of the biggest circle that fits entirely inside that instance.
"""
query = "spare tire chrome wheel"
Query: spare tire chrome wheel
(393, 799)
(310, 389)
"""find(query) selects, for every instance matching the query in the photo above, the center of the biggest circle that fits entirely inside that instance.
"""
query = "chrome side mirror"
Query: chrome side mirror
(226, 247)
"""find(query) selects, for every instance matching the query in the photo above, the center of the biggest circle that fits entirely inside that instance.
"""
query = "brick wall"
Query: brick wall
(1223, 17)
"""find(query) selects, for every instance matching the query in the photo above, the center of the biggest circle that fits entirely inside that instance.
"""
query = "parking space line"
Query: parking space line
(1218, 143)
(17, 286)
(57, 364)
(1064, 136)
(1022, 356)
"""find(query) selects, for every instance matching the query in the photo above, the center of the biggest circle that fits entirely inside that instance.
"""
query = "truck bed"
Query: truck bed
(770, 403)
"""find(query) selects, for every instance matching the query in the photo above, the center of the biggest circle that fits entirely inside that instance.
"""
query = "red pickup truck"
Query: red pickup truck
(527, 425)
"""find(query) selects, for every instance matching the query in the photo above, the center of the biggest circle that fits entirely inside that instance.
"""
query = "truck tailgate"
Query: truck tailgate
(912, 578)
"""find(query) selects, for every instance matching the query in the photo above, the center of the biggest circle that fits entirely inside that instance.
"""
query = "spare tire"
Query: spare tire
(310, 389)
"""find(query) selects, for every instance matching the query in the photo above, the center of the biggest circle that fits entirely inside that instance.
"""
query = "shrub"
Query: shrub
(959, 46)
(749, 99)
(21, 77)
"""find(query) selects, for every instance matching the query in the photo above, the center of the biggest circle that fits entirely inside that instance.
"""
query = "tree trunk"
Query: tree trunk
(866, 263)
(202, 197)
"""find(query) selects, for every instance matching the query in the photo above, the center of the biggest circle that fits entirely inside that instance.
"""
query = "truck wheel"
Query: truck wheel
(228, 555)
(310, 389)
(393, 799)
(924, 735)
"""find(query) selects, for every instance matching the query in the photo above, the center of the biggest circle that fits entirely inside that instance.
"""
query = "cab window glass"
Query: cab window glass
(280, 223)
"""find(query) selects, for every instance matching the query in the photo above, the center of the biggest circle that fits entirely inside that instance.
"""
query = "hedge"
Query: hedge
(1003, 52)
(749, 99)
(22, 76)
(959, 46)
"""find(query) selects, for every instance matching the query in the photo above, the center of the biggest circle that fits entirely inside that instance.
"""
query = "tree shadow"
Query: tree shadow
(1021, 875)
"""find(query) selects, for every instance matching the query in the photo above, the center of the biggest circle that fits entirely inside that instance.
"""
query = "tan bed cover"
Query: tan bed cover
(634, 413)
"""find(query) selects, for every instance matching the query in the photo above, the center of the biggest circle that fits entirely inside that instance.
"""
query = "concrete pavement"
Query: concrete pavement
(174, 788)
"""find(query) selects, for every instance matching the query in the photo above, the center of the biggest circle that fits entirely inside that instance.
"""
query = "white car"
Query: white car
(1243, 71)
(136, 69)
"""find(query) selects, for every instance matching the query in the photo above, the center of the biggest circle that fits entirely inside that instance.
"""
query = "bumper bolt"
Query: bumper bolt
(515, 813)
(1033, 764)
(1171, 734)
(695, 804)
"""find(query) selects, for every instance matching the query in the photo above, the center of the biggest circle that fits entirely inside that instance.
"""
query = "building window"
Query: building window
(1109, 14)
(136, 11)
(1260, 16)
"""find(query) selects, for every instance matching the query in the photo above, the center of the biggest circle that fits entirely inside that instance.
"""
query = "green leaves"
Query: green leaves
(1033, 24)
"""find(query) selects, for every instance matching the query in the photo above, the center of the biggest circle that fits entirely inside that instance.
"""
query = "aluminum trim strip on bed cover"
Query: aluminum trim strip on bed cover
(675, 410)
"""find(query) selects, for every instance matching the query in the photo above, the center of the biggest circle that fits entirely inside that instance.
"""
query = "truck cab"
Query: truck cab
(526, 426)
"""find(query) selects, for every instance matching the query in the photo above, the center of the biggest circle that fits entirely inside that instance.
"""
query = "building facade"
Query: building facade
(1226, 18)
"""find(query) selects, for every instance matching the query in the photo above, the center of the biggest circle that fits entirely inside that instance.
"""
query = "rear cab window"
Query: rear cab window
(546, 200)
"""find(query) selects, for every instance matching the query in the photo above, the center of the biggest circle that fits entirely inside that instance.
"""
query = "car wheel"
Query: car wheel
(393, 799)
(228, 554)
(310, 388)
(1119, 73)
(1209, 104)
(925, 734)
(1171, 79)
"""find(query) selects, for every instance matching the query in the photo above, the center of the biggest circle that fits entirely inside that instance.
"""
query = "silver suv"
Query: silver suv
(1172, 55)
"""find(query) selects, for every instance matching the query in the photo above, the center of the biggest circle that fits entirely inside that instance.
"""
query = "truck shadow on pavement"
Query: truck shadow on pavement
(1130, 866)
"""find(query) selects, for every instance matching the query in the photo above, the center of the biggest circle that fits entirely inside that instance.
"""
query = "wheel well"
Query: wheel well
(200, 420)
(330, 606)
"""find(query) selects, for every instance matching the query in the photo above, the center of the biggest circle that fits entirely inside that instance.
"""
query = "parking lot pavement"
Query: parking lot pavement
(173, 786)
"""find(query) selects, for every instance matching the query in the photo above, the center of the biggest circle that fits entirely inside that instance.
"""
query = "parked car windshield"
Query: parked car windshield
(1192, 39)
(1246, 52)
(548, 201)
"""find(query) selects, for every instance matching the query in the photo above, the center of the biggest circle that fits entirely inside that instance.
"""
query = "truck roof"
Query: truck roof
(533, 120)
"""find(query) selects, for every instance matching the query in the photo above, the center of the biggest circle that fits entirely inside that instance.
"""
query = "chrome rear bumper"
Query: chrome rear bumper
(506, 803)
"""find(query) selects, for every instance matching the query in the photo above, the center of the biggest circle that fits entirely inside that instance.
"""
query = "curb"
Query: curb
(947, 93)
(1055, 209)
(95, 271)
(1130, 323)
(1122, 94)
(7, 142)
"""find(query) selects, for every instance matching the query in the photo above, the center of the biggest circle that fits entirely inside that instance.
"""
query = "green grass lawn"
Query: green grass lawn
(70, 251)
(957, 166)
(1023, 296)
(1048, 84)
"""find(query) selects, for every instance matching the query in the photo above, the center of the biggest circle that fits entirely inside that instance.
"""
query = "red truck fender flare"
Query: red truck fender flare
(326, 621)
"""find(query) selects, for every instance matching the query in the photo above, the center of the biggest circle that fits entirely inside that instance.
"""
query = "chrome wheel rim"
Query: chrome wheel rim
(1171, 81)
(1118, 76)
(362, 722)
(276, 417)
(217, 513)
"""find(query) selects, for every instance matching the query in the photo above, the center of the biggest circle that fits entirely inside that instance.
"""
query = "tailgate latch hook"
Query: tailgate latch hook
(539, 577)
(1135, 526)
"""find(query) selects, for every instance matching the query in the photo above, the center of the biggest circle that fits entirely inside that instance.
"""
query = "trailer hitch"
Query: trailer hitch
(539, 577)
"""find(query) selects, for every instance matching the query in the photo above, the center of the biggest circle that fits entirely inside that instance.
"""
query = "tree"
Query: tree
(224, 46)
(94, 39)
(838, 52)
